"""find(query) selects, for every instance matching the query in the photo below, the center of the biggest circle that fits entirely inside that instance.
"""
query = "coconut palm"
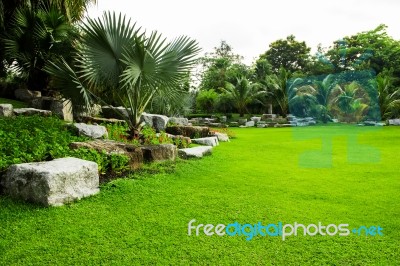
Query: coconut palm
(275, 85)
(242, 92)
(350, 102)
(301, 97)
(389, 97)
(323, 90)
(117, 63)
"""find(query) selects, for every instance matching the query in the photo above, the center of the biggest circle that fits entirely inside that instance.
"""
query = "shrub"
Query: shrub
(34, 139)
(206, 100)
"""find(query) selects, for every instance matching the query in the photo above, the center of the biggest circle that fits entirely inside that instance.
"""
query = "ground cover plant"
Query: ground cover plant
(256, 177)
(35, 139)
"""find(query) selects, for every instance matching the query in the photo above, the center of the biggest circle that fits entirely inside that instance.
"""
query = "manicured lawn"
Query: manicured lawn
(256, 177)
(16, 104)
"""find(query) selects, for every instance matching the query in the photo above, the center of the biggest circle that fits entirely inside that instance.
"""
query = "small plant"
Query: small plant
(150, 137)
(117, 131)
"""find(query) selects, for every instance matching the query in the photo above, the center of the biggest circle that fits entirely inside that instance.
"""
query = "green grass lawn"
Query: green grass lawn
(256, 177)
(16, 104)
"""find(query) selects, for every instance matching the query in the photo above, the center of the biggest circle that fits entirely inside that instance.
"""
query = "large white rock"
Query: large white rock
(92, 131)
(6, 110)
(208, 141)
(31, 111)
(52, 183)
(197, 152)
(255, 119)
(180, 121)
(158, 122)
(250, 124)
(222, 136)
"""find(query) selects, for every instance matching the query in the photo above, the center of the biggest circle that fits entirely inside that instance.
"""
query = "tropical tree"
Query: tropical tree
(388, 95)
(36, 36)
(242, 93)
(373, 49)
(301, 97)
(350, 102)
(70, 10)
(289, 54)
(218, 67)
(275, 85)
(323, 90)
(116, 62)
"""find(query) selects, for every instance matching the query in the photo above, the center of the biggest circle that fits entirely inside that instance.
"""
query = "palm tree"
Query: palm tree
(301, 97)
(389, 97)
(117, 63)
(350, 102)
(275, 85)
(323, 90)
(35, 36)
(242, 93)
(70, 11)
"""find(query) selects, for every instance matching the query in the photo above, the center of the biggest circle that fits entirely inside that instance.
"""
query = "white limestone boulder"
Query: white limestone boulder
(222, 136)
(91, 131)
(195, 152)
(6, 110)
(180, 121)
(158, 122)
(52, 183)
(250, 124)
(208, 141)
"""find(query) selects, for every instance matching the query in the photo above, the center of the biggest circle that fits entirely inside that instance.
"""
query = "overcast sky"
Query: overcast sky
(250, 26)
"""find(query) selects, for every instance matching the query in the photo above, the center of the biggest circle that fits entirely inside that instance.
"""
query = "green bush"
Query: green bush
(206, 100)
(30, 139)
(34, 139)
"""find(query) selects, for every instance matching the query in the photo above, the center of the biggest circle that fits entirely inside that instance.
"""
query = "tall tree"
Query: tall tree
(371, 49)
(219, 67)
(289, 54)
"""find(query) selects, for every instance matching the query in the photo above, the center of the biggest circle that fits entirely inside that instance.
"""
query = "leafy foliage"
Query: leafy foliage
(289, 54)
(206, 100)
(115, 61)
(36, 36)
(33, 139)
(242, 93)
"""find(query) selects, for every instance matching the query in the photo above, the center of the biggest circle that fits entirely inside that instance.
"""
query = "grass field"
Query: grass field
(256, 177)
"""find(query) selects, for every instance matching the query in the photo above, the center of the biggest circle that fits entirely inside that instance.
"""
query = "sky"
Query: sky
(250, 26)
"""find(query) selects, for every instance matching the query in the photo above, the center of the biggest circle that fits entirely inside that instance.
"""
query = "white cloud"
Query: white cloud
(250, 26)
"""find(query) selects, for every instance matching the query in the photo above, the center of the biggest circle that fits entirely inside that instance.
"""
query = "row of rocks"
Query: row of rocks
(61, 181)
(137, 154)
